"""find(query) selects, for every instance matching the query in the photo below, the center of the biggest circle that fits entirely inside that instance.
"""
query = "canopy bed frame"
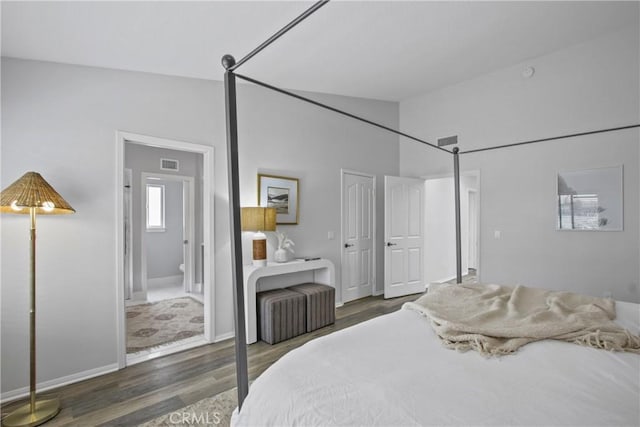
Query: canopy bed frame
(231, 65)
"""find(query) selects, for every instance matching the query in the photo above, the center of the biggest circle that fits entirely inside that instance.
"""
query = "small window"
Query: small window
(155, 207)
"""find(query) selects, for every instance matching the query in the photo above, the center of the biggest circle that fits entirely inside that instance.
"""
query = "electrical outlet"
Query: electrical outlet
(331, 235)
(497, 234)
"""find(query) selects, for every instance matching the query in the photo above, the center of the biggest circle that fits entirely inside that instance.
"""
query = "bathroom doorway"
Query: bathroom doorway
(166, 230)
(168, 238)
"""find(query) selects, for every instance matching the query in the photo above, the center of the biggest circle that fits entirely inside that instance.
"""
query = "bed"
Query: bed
(392, 371)
(458, 385)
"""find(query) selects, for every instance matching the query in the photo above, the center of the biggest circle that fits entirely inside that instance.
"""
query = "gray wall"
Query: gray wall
(585, 87)
(61, 120)
(281, 136)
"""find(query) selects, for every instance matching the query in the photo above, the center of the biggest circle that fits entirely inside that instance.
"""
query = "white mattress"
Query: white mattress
(392, 371)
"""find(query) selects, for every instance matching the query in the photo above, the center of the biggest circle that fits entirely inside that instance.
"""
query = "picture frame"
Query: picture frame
(282, 193)
(590, 199)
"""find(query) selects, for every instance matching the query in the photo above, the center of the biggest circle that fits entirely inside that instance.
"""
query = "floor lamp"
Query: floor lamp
(32, 195)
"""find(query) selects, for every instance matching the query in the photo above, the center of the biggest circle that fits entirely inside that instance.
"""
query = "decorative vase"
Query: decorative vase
(280, 255)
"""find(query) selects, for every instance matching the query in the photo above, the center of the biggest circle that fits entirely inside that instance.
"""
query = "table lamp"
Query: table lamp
(259, 220)
(31, 195)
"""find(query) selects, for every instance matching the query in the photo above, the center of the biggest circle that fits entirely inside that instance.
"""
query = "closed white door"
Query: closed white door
(404, 236)
(358, 235)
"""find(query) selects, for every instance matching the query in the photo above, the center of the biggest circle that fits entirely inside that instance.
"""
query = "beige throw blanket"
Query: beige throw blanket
(497, 320)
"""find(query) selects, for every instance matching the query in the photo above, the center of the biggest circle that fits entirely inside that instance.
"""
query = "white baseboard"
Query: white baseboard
(378, 292)
(198, 288)
(446, 279)
(166, 349)
(138, 296)
(157, 282)
(222, 337)
(58, 382)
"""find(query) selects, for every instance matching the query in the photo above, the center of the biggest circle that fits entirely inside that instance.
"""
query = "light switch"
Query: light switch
(331, 235)
(497, 234)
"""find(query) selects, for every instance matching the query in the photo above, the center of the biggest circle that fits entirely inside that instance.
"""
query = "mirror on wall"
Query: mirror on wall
(590, 199)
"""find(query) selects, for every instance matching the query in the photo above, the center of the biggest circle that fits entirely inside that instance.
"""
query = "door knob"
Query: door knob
(348, 245)
(391, 244)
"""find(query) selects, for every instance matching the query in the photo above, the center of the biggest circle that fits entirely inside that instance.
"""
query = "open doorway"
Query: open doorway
(440, 257)
(167, 239)
(473, 234)
(165, 296)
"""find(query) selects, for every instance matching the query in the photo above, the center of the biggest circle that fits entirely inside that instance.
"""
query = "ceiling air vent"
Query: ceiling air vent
(169, 165)
(448, 140)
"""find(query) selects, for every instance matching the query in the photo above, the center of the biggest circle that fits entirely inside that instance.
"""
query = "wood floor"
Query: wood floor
(147, 390)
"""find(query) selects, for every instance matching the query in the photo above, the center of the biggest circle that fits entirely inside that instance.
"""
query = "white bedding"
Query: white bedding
(392, 371)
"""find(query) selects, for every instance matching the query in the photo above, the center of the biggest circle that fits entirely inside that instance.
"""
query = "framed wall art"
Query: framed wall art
(590, 199)
(279, 192)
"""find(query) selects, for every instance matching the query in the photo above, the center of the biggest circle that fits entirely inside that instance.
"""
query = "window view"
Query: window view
(580, 212)
(155, 207)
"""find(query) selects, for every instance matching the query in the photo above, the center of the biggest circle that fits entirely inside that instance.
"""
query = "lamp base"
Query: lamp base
(23, 417)
(259, 262)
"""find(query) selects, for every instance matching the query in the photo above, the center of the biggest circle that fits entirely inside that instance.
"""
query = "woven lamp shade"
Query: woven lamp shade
(258, 219)
(32, 191)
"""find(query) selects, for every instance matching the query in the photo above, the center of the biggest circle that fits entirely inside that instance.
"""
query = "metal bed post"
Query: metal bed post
(242, 372)
(317, 5)
(456, 184)
(553, 138)
(337, 110)
(229, 64)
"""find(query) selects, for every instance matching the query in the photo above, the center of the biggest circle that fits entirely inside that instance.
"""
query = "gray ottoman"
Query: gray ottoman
(321, 304)
(281, 315)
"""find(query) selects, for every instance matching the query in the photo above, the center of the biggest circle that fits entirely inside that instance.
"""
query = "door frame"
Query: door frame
(188, 226)
(474, 228)
(128, 238)
(374, 257)
(208, 188)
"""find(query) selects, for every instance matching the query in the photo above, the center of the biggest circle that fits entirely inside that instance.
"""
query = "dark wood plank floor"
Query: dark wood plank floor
(147, 390)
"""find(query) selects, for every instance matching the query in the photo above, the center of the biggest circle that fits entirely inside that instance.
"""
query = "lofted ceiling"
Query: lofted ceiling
(388, 50)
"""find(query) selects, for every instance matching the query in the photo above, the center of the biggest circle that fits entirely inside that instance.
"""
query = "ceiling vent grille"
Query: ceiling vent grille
(169, 165)
(448, 140)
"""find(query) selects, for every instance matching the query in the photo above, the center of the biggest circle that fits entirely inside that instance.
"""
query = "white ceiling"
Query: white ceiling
(384, 50)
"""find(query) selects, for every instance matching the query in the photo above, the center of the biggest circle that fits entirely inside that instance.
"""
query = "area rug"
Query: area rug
(163, 322)
(212, 411)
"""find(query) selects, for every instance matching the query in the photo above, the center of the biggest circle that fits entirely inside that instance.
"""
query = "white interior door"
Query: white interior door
(404, 236)
(358, 235)
(187, 234)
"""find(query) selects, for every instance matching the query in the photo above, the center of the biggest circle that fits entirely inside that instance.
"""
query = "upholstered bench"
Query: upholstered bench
(281, 315)
(321, 304)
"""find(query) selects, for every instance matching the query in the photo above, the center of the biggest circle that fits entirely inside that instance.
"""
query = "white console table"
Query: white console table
(322, 270)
